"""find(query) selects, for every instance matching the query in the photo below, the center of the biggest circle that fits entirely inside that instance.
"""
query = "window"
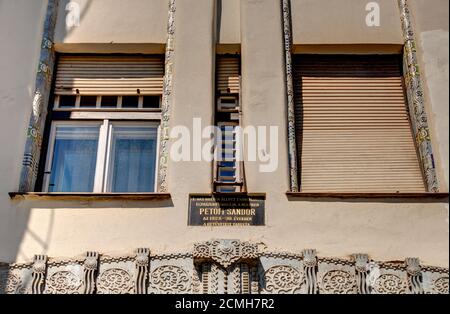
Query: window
(102, 157)
(104, 131)
(132, 158)
(228, 170)
(353, 128)
(74, 157)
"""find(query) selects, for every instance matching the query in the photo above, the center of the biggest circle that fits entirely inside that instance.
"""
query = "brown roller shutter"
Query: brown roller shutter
(228, 74)
(353, 127)
(109, 75)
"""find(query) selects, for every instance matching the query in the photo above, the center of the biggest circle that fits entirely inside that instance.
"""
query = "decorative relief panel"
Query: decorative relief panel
(435, 280)
(281, 273)
(10, 283)
(170, 274)
(116, 276)
(170, 279)
(389, 281)
(16, 279)
(225, 252)
(336, 277)
(221, 266)
(64, 279)
(283, 279)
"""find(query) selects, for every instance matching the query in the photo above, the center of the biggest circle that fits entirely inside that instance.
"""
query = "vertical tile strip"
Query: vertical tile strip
(292, 143)
(40, 101)
(166, 101)
(415, 97)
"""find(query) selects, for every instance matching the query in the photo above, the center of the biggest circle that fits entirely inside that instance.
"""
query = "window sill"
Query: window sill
(418, 195)
(89, 196)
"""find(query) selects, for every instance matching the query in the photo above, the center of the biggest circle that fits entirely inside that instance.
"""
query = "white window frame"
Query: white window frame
(107, 171)
(103, 150)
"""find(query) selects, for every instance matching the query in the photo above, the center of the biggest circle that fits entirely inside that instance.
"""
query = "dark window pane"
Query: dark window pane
(67, 100)
(109, 101)
(88, 101)
(151, 101)
(130, 101)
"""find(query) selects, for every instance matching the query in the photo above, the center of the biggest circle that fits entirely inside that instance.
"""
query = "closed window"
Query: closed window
(104, 131)
(74, 158)
(132, 158)
(102, 156)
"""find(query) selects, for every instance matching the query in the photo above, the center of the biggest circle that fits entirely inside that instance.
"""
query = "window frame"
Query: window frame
(107, 171)
(102, 166)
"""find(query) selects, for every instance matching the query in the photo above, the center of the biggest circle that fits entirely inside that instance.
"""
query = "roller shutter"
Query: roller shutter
(228, 74)
(109, 75)
(353, 128)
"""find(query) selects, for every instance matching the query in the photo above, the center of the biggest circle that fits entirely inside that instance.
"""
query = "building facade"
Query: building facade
(330, 133)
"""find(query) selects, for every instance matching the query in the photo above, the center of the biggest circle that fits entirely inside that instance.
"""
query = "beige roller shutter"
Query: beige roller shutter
(228, 74)
(353, 127)
(109, 75)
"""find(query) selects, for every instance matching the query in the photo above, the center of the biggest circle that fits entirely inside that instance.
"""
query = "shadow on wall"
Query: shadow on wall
(20, 55)
(218, 18)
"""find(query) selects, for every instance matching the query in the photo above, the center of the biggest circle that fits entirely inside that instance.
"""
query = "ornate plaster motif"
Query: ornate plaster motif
(63, 282)
(440, 285)
(283, 279)
(310, 269)
(414, 275)
(361, 268)
(90, 268)
(142, 265)
(167, 100)
(196, 282)
(390, 283)
(169, 279)
(9, 282)
(115, 281)
(38, 275)
(40, 100)
(415, 95)
(225, 252)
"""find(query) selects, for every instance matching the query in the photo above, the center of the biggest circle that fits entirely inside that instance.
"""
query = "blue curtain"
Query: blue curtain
(74, 159)
(133, 159)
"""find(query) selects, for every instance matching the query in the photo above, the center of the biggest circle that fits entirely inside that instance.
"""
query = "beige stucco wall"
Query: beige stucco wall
(387, 229)
(228, 21)
(343, 22)
(114, 21)
(20, 38)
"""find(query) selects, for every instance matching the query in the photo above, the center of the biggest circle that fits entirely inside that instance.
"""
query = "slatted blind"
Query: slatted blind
(228, 74)
(353, 128)
(109, 75)
(228, 166)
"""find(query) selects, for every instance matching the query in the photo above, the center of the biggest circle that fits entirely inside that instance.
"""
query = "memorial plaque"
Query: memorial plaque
(226, 210)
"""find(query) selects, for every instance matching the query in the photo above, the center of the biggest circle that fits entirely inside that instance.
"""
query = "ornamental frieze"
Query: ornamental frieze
(221, 266)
